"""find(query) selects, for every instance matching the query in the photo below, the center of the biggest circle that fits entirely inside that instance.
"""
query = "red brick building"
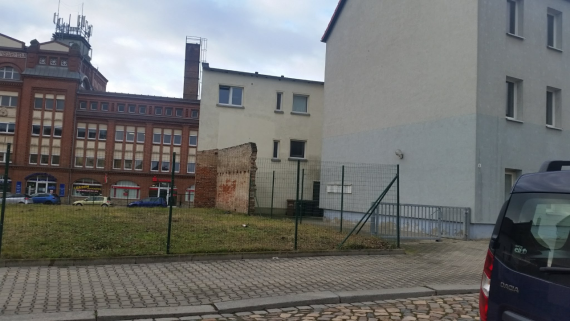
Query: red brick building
(71, 137)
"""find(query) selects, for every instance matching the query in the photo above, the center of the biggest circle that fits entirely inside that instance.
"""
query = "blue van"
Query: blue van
(526, 276)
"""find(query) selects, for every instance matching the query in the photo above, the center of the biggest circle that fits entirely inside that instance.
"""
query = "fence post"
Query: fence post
(341, 198)
(170, 203)
(301, 205)
(272, 193)
(398, 205)
(439, 223)
(6, 167)
(297, 203)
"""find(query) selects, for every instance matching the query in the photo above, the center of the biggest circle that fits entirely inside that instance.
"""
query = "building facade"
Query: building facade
(473, 94)
(71, 137)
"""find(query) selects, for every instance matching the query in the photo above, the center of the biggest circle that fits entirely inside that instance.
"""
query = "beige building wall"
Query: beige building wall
(257, 120)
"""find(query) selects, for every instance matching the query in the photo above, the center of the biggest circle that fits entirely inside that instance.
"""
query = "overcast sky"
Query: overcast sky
(139, 44)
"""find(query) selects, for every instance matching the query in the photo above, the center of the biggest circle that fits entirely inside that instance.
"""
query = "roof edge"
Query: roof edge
(206, 66)
(334, 18)
(137, 96)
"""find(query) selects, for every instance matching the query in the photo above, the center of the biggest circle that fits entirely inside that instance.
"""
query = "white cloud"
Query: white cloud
(139, 44)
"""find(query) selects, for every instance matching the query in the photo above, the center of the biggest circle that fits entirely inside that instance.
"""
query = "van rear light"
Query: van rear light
(485, 286)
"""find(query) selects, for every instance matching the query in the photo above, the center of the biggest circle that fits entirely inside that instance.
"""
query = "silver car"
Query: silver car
(16, 198)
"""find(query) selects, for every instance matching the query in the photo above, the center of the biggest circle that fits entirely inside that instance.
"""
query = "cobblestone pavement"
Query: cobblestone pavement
(84, 288)
(462, 307)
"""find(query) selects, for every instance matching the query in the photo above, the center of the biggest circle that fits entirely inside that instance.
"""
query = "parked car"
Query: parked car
(526, 275)
(94, 200)
(45, 198)
(16, 198)
(149, 202)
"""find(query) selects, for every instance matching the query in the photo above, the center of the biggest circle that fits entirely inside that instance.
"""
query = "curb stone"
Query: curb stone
(188, 258)
(245, 307)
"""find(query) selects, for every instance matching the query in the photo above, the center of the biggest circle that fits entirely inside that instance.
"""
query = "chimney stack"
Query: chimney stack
(191, 71)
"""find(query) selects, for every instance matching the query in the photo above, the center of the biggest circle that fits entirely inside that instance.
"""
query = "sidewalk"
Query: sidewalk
(34, 290)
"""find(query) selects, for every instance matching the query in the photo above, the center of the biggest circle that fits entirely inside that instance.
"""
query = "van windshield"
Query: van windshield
(535, 234)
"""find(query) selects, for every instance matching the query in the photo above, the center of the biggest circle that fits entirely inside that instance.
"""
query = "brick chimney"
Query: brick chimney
(191, 71)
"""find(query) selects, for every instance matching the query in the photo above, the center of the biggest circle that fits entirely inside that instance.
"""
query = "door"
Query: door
(163, 192)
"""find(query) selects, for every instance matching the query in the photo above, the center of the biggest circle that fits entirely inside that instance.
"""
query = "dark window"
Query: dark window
(194, 113)
(549, 108)
(130, 137)
(142, 109)
(534, 235)
(177, 139)
(121, 108)
(82, 104)
(117, 163)
(224, 96)
(100, 162)
(156, 138)
(44, 159)
(140, 137)
(551, 29)
(165, 167)
(9, 101)
(102, 134)
(128, 164)
(512, 16)
(168, 111)
(511, 99)
(167, 139)
(104, 106)
(38, 102)
(158, 110)
(177, 167)
(278, 106)
(93, 105)
(3, 127)
(92, 133)
(36, 130)
(33, 158)
(47, 130)
(191, 168)
(57, 132)
(275, 149)
(119, 135)
(89, 161)
(49, 103)
(80, 132)
(132, 108)
(59, 104)
(12, 128)
(154, 165)
(193, 141)
(55, 159)
(138, 164)
(178, 112)
(297, 149)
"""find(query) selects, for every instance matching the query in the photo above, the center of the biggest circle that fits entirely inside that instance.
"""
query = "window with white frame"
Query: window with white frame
(177, 137)
(514, 105)
(275, 149)
(552, 107)
(193, 139)
(297, 149)
(554, 29)
(156, 136)
(7, 128)
(515, 11)
(8, 101)
(36, 129)
(119, 133)
(9, 73)
(140, 134)
(121, 108)
(279, 100)
(300, 103)
(229, 95)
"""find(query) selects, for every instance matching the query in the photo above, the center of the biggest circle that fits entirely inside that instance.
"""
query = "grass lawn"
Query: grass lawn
(41, 231)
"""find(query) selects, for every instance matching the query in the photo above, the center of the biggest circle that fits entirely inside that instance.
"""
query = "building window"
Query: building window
(158, 110)
(156, 138)
(92, 133)
(63, 62)
(552, 107)
(59, 104)
(47, 130)
(121, 108)
(36, 129)
(33, 158)
(82, 105)
(515, 14)
(167, 139)
(177, 139)
(279, 99)
(86, 187)
(7, 128)
(142, 109)
(105, 106)
(165, 166)
(554, 29)
(125, 190)
(168, 111)
(128, 164)
(276, 149)
(300, 103)
(53, 61)
(154, 166)
(38, 103)
(513, 110)
(90, 161)
(193, 140)
(511, 176)
(102, 134)
(93, 105)
(297, 149)
(49, 103)
(55, 160)
(230, 95)
(130, 136)
(178, 112)
(140, 137)
(9, 73)
(117, 163)
(57, 131)
(132, 109)
(9, 101)
(119, 135)
(191, 167)
(78, 161)
(43, 60)
(80, 132)
(44, 159)
(100, 161)
(138, 165)
(194, 113)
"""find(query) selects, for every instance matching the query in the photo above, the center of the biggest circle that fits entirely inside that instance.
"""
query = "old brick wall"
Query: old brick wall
(225, 178)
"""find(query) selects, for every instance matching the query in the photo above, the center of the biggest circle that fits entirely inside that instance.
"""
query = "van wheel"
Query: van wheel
(79, 204)
(104, 205)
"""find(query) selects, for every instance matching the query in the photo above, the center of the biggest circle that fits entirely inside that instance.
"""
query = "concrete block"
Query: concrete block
(383, 294)
(285, 301)
(147, 313)
(63, 316)
(445, 289)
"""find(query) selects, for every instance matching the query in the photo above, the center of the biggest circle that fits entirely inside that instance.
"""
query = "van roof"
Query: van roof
(543, 182)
